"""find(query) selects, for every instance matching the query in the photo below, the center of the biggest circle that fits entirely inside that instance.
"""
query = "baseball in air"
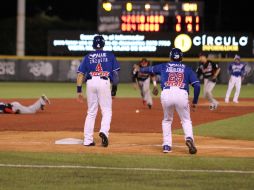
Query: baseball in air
(137, 111)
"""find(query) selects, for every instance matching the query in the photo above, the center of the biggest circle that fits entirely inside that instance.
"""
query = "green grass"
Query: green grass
(59, 178)
(68, 90)
(233, 128)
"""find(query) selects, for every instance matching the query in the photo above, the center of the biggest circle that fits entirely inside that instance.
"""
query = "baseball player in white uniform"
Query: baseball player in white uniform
(18, 108)
(236, 70)
(175, 80)
(98, 68)
(209, 71)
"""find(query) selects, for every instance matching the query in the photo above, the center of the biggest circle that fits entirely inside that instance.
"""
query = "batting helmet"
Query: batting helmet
(176, 54)
(98, 42)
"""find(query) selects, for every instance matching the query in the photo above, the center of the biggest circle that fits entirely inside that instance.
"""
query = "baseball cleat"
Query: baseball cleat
(189, 142)
(149, 106)
(45, 99)
(213, 107)
(104, 139)
(166, 149)
(91, 144)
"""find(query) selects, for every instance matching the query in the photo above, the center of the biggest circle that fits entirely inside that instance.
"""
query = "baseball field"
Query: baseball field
(30, 159)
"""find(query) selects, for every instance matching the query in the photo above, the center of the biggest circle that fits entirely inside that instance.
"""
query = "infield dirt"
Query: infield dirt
(131, 132)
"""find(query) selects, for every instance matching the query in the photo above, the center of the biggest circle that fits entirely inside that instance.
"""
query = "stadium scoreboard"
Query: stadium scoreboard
(150, 16)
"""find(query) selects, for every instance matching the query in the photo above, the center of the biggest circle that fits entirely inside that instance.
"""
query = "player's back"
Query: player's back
(99, 63)
(177, 74)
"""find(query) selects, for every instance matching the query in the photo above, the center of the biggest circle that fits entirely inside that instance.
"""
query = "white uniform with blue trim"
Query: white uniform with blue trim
(98, 68)
(236, 70)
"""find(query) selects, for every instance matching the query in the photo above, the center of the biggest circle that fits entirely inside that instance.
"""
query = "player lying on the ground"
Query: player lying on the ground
(16, 107)
(175, 80)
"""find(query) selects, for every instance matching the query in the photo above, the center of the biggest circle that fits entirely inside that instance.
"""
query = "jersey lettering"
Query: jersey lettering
(99, 67)
(175, 79)
(99, 71)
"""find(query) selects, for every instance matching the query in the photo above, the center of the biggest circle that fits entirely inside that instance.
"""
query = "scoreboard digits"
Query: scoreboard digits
(149, 16)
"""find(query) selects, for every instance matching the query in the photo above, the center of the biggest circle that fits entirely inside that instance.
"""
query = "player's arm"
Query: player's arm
(154, 79)
(196, 85)
(115, 82)
(217, 71)
(80, 79)
(115, 75)
(152, 69)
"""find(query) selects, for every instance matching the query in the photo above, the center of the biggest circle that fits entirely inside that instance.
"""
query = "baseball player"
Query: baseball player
(175, 80)
(143, 82)
(236, 70)
(98, 68)
(209, 71)
(16, 107)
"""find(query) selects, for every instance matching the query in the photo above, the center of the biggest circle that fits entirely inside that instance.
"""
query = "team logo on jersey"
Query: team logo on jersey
(97, 57)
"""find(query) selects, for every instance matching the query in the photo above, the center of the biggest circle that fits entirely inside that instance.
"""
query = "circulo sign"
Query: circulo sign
(183, 42)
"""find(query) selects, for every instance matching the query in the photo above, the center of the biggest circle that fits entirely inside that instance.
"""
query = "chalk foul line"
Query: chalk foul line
(124, 169)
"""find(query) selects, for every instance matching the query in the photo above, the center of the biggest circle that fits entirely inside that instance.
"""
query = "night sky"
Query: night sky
(219, 15)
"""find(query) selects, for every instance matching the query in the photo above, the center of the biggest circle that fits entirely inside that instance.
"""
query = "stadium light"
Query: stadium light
(107, 6)
(129, 6)
(147, 6)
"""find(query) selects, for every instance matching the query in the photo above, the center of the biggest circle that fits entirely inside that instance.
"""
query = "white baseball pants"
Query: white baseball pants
(237, 82)
(208, 88)
(98, 93)
(145, 90)
(28, 109)
(171, 99)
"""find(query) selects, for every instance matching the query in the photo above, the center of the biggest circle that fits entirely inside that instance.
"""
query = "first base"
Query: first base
(69, 141)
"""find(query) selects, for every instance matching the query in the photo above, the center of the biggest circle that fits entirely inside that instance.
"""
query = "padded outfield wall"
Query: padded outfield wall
(63, 69)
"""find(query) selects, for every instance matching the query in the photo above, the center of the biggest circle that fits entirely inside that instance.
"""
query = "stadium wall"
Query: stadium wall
(63, 69)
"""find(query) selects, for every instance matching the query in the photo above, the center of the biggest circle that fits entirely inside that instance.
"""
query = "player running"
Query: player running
(143, 82)
(98, 69)
(209, 71)
(175, 80)
(236, 70)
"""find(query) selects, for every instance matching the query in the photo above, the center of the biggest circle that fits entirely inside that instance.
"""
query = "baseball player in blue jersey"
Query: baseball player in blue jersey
(236, 70)
(175, 80)
(98, 68)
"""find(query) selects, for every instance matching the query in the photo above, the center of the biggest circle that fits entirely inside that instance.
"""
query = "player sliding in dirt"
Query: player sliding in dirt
(18, 108)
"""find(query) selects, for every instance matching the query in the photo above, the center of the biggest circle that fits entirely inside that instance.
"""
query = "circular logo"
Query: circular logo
(183, 42)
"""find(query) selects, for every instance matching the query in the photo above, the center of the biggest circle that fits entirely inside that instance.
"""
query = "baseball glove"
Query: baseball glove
(113, 90)
(155, 91)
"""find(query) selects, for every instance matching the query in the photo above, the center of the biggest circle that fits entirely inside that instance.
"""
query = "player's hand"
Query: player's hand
(193, 107)
(136, 68)
(80, 98)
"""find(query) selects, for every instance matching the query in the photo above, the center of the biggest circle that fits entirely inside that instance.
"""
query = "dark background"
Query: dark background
(45, 15)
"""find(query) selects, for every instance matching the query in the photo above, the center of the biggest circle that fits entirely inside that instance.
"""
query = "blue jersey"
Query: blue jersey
(236, 69)
(173, 74)
(99, 63)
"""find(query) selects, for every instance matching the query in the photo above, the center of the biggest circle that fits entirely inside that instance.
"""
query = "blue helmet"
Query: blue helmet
(98, 42)
(176, 54)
